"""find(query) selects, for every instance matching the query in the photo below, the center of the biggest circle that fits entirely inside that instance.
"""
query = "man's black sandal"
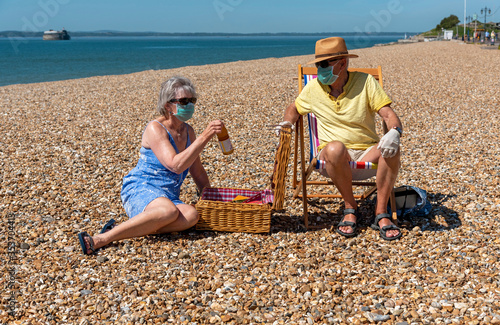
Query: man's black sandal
(351, 224)
(383, 231)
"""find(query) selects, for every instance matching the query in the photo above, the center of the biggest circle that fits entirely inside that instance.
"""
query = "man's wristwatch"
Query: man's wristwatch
(397, 128)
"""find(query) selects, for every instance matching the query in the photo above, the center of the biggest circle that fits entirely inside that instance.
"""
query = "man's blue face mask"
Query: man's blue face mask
(326, 76)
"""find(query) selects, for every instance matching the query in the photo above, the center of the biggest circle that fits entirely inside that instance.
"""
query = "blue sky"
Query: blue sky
(239, 16)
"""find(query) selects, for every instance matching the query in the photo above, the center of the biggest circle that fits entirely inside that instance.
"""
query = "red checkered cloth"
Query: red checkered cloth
(228, 194)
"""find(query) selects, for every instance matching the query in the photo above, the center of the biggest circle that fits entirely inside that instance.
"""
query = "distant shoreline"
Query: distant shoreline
(10, 34)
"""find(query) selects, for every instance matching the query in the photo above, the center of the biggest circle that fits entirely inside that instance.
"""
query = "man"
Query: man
(345, 104)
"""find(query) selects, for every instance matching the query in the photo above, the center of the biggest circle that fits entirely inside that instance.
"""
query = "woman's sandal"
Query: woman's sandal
(85, 250)
(108, 226)
(383, 231)
(351, 224)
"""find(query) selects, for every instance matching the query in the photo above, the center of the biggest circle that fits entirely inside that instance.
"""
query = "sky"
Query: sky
(237, 16)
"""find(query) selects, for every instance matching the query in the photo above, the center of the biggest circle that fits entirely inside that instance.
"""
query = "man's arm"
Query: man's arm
(291, 114)
(389, 144)
(289, 119)
(390, 118)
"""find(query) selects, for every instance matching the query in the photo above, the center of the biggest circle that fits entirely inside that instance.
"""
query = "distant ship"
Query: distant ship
(56, 35)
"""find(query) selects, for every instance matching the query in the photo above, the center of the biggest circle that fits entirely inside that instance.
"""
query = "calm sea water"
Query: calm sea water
(28, 60)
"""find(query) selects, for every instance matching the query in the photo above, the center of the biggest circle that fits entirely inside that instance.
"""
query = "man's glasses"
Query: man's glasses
(184, 101)
(325, 63)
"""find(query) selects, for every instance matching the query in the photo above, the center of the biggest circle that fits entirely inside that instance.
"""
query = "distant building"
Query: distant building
(448, 34)
(54, 35)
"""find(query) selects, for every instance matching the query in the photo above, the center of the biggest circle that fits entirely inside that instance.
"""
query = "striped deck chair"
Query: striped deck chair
(361, 171)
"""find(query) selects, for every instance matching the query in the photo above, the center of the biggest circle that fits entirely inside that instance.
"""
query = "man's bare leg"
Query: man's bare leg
(387, 172)
(337, 166)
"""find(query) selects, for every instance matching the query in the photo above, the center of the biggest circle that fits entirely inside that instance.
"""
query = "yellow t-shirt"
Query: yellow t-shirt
(350, 118)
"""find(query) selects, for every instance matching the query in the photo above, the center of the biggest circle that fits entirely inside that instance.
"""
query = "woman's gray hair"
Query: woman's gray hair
(168, 90)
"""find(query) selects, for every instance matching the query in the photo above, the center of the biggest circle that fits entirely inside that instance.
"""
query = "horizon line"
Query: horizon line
(151, 33)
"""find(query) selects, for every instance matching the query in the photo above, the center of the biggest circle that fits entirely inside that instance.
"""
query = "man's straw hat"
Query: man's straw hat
(331, 48)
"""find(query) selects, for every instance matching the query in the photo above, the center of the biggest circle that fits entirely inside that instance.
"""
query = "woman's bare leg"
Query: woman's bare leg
(157, 215)
(188, 217)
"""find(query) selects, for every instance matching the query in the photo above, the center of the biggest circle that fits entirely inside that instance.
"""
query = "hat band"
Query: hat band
(331, 54)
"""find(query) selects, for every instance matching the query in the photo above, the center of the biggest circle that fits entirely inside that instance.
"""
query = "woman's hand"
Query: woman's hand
(212, 129)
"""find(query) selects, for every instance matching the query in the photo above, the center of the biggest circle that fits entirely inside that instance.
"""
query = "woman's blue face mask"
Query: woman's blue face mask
(184, 112)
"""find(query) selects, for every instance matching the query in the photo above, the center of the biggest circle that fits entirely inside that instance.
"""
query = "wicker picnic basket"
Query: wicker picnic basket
(219, 212)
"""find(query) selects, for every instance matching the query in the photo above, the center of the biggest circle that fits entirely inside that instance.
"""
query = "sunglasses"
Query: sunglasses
(184, 101)
(325, 63)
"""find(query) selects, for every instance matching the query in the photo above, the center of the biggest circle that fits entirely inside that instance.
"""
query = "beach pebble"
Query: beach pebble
(67, 145)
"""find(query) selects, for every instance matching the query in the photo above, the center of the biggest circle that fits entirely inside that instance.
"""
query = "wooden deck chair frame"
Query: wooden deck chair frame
(300, 185)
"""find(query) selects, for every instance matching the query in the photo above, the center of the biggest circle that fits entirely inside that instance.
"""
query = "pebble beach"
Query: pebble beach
(66, 145)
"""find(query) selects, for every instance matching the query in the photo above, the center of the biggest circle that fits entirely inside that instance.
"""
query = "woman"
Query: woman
(169, 149)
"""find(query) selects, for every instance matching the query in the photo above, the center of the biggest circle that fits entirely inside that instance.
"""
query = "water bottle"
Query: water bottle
(225, 142)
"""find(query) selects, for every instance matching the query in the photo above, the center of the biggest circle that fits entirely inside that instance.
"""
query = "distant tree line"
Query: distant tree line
(452, 21)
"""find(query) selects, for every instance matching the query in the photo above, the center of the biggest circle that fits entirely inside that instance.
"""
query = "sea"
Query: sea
(31, 60)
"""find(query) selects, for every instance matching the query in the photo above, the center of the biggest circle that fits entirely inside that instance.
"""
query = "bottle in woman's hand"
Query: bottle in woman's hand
(225, 142)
